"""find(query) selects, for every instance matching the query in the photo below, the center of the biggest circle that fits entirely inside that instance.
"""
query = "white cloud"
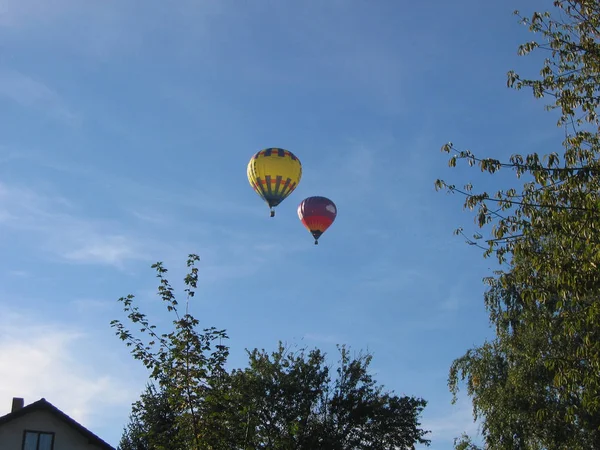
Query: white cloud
(324, 338)
(101, 29)
(85, 305)
(18, 273)
(111, 250)
(33, 93)
(15, 12)
(56, 226)
(384, 275)
(454, 421)
(42, 360)
(50, 220)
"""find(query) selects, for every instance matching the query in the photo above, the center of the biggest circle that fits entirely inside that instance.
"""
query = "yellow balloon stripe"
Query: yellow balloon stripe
(274, 173)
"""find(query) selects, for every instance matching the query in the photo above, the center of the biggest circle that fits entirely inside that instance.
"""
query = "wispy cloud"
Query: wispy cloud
(51, 220)
(112, 249)
(324, 338)
(99, 30)
(18, 13)
(31, 93)
(40, 359)
(85, 305)
(385, 276)
(18, 273)
(455, 297)
(452, 423)
(149, 203)
(59, 227)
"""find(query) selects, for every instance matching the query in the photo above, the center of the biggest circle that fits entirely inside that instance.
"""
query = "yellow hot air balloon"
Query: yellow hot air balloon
(274, 173)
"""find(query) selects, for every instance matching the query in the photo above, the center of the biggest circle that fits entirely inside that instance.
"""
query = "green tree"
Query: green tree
(283, 400)
(512, 379)
(288, 400)
(185, 363)
(464, 443)
(537, 384)
(152, 423)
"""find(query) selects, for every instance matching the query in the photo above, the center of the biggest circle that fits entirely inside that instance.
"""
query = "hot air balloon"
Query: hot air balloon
(274, 173)
(317, 214)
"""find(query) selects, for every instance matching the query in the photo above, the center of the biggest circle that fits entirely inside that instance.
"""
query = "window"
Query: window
(38, 440)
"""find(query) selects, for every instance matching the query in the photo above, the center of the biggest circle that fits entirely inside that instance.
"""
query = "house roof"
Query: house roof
(44, 405)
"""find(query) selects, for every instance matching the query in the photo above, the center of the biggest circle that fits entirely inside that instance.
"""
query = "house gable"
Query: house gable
(45, 417)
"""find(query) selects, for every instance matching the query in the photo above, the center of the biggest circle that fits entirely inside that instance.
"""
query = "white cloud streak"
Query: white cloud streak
(17, 13)
(321, 338)
(56, 225)
(100, 30)
(42, 360)
(31, 93)
(455, 421)
(50, 220)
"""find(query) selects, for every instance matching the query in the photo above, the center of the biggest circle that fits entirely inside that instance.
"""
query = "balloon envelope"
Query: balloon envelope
(317, 214)
(274, 173)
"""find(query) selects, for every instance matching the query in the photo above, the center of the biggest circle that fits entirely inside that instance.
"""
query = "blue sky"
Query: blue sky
(125, 131)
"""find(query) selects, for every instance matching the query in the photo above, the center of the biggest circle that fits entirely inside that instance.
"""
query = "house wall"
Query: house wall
(65, 437)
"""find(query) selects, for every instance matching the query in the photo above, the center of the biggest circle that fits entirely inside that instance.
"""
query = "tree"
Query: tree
(185, 363)
(283, 400)
(287, 400)
(537, 384)
(512, 379)
(464, 443)
(152, 423)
